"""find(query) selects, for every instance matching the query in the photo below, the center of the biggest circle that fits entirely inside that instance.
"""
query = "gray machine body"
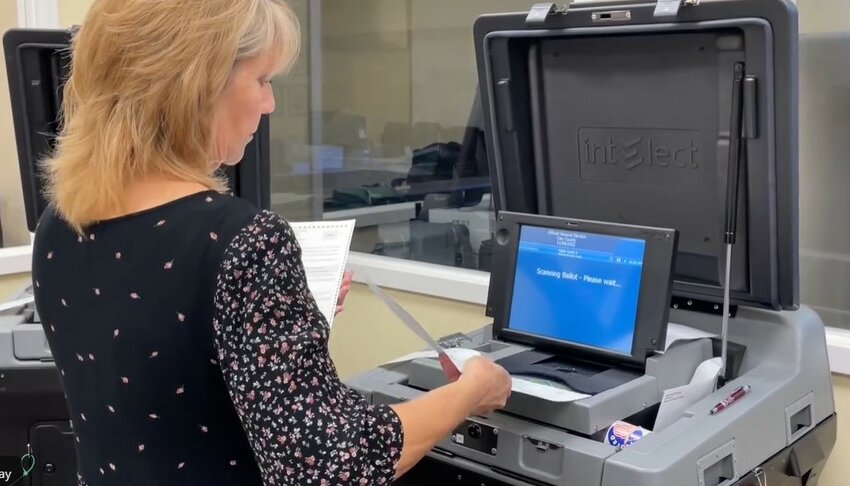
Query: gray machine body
(562, 443)
(22, 339)
(23, 343)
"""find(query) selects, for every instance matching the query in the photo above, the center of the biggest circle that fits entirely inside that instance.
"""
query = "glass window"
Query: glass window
(378, 122)
(825, 158)
(13, 226)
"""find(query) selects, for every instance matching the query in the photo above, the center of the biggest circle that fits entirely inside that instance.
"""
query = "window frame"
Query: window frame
(440, 281)
(38, 14)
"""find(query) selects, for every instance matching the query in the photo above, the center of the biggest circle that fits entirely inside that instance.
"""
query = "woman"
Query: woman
(190, 348)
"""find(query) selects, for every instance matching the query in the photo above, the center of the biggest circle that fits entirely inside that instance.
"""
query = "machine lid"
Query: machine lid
(616, 112)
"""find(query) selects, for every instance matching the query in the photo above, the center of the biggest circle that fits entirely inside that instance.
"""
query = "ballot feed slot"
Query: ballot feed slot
(491, 347)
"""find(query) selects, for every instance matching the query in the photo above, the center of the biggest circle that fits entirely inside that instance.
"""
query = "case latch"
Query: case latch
(670, 8)
(540, 12)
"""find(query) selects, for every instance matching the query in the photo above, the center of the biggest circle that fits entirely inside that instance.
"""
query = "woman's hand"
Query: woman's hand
(343, 291)
(490, 383)
(483, 386)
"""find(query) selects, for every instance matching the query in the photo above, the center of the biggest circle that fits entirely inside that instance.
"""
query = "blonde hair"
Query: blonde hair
(145, 77)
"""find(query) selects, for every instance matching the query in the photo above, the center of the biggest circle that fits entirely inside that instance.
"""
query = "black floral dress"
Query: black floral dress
(192, 352)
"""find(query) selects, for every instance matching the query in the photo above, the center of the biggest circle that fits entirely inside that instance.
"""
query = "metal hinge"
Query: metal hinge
(540, 12)
(670, 8)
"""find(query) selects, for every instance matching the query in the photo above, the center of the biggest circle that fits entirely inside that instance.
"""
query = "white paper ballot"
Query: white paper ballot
(678, 332)
(324, 251)
(707, 370)
(460, 356)
(676, 400)
(546, 392)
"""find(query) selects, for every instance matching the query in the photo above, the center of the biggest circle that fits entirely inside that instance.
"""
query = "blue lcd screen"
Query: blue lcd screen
(577, 287)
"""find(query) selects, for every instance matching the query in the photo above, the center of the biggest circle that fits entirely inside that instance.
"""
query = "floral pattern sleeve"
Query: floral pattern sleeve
(304, 425)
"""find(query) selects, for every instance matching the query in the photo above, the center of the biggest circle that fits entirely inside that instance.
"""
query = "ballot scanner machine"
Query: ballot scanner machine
(662, 115)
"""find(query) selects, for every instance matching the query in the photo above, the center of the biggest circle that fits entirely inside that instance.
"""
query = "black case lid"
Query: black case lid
(37, 63)
(610, 112)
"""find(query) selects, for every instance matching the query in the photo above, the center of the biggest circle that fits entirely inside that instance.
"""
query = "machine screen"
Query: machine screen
(577, 287)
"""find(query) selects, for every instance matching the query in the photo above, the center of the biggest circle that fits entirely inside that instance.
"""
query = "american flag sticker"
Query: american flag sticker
(623, 434)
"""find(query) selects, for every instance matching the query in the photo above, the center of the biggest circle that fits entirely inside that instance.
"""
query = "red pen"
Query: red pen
(736, 395)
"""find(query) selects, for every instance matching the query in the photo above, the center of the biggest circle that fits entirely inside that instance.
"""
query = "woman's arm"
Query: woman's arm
(483, 387)
(431, 418)
(303, 424)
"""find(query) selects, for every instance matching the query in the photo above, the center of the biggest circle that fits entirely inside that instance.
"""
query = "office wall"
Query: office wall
(401, 61)
(366, 334)
(12, 285)
(443, 68)
(11, 198)
(824, 172)
(824, 15)
(72, 11)
(366, 61)
(837, 471)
